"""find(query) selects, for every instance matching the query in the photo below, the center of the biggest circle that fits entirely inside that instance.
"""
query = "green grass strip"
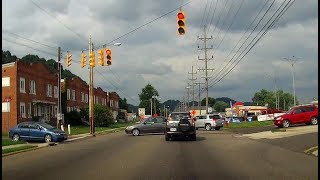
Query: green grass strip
(9, 150)
(245, 124)
(8, 142)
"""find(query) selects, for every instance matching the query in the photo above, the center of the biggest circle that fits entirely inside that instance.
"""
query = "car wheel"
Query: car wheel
(135, 132)
(208, 127)
(15, 137)
(217, 128)
(194, 137)
(285, 123)
(314, 120)
(167, 137)
(47, 138)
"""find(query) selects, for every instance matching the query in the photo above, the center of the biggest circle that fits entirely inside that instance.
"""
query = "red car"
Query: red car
(300, 114)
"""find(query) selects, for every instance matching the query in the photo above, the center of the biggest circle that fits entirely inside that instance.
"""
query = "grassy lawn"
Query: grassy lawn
(86, 129)
(4, 151)
(245, 124)
(8, 142)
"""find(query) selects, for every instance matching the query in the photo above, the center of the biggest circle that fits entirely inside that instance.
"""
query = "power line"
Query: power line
(287, 6)
(58, 21)
(117, 87)
(135, 29)
(30, 39)
(30, 47)
(228, 64)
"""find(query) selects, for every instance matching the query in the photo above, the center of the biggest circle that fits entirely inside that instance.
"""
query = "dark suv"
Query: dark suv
(180, 124)
(300, 114)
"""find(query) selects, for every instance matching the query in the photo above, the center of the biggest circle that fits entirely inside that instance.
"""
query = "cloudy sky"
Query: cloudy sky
(155, 54)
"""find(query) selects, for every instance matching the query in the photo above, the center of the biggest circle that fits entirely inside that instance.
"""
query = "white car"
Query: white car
(209, 121)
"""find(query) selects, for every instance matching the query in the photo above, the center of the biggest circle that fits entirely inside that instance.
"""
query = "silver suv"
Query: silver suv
(209, 121)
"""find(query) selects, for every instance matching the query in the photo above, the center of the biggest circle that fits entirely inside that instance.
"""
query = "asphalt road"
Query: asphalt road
(215, 155)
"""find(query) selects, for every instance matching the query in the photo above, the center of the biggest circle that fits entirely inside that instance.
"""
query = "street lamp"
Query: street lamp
(292, 62)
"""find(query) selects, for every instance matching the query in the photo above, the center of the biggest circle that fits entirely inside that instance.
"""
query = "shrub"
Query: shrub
(73, 118)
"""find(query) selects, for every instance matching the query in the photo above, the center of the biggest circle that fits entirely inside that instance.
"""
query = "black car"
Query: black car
(149, 125)
(180, 124)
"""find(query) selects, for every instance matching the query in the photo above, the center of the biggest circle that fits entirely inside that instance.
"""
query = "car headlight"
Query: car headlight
(130, 127)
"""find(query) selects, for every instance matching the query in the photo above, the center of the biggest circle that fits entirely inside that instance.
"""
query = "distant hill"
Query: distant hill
(132, 108)
(226, 100)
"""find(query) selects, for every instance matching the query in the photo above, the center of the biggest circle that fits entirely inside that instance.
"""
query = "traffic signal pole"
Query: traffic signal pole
(91, 106)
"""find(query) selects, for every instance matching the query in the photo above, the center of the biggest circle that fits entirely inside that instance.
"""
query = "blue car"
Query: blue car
(36, 131)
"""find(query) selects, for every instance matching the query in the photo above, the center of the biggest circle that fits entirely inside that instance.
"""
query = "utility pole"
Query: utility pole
(59, 115)
(199, 102)
(206, 63)
(192, 80)
(91, 96)
(292, 62)
(188, 96)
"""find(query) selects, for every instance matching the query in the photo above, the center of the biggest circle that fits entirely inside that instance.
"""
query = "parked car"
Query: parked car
(209, 121)
(36, 131)
(148, 125)
(180, 124)
(300, 114)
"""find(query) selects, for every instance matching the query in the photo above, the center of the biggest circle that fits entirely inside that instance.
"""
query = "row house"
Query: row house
(29, 92)
(78, 92)
(32, 92)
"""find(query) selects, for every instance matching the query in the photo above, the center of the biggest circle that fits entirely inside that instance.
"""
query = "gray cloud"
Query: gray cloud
(155, 54)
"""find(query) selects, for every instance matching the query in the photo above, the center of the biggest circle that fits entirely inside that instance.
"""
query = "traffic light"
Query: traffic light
(68, 59)
(92, 59)
(109, 60)
(181, 20)
(101, 57)
(83, 59)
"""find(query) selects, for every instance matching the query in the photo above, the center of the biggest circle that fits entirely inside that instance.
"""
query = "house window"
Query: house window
(116, 104)
(74, 95)
(23, 109)
(55, 111)
(56, 92)
(68, 109)
(96, 100)
(29, 110)
(6, 82)
(49, 90)
(86, 98)
(111, 103)
(68, 94)
(105, 102)
(82, 97)
(32, 87)
(22, 85)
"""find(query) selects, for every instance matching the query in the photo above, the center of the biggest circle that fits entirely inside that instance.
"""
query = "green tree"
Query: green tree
(211, 101)
(102, 115)
(268, 97)
(123, 104)
(220, 106)
(145, 99)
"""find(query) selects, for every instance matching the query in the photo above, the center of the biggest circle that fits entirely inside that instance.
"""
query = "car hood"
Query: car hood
(57, 131)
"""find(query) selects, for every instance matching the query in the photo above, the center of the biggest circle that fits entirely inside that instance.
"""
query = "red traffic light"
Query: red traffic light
(180, 15)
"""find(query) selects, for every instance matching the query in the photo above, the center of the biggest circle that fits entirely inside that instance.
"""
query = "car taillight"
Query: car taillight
(214, 120)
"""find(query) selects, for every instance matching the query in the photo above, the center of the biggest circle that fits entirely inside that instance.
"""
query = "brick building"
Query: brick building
(34, 93)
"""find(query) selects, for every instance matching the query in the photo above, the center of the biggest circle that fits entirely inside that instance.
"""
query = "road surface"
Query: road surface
(215, 155)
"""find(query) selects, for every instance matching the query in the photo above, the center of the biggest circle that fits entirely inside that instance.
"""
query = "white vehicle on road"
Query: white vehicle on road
(209, 121)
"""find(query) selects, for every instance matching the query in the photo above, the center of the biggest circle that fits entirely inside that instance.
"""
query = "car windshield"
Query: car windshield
(47, 126)
(178, 116)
